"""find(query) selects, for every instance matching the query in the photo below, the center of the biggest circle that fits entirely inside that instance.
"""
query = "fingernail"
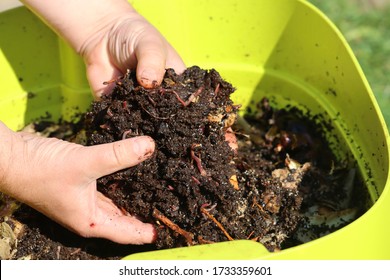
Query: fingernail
(144, 146)
(149, 78)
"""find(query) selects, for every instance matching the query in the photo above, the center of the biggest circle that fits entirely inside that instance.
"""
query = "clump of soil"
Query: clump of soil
(189, 188)
(279, 188)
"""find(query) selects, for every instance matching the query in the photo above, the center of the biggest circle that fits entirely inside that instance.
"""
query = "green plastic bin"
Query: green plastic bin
(286, 50)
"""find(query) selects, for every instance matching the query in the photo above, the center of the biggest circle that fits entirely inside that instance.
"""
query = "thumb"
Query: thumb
(108, 158)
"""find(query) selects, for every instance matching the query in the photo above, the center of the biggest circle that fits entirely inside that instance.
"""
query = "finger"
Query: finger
(174, 61)
(104, 159)
(112, 224)
(151, 55)
(125, 230)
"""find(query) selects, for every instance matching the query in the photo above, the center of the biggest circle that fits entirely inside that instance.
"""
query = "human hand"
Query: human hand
(58, 179)
(130, 43)
(111, 37)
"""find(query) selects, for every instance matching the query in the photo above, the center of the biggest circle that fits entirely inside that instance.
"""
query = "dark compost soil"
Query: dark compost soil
(278, 188)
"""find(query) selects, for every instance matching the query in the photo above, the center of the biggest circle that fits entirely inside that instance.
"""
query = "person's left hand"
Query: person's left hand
(58, 179)
(112, 37)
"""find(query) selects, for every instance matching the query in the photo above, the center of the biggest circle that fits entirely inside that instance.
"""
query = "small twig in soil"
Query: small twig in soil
(187, 235)
(197, 160)
(190, 99)
(256, 238)
(250, 235)
(58, 252)
(255, 203)
(78, 250)
(211, 217)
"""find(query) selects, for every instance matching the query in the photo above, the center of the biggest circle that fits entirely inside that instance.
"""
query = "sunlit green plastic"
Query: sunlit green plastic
(284, 49)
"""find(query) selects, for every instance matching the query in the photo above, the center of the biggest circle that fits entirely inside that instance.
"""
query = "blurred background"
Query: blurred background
(366, 26)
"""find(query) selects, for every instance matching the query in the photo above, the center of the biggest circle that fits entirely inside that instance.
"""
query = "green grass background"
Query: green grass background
(366, 27)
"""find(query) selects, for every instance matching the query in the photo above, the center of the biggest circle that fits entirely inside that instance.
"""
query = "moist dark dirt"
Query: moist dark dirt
(195, 188)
